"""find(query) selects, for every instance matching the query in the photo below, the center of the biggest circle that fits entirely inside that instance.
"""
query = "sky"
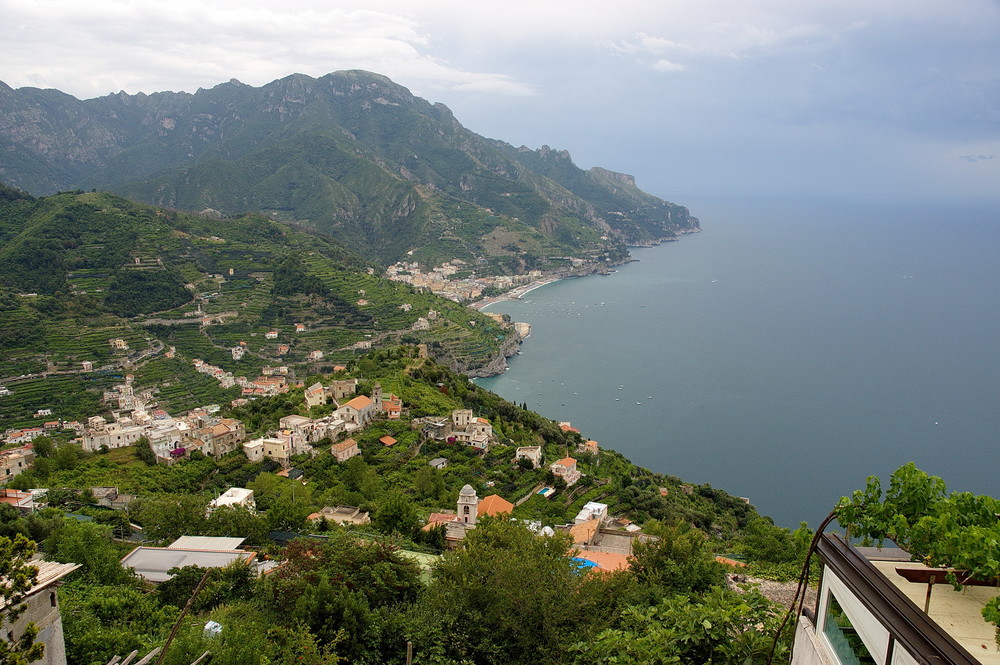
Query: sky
(834, 99)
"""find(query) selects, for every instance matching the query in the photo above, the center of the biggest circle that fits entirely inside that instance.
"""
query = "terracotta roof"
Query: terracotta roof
(494, 505)
(344, 445)
(388, 440)
(606, 561)
(730, 562)
(584, 532)
(567, 461)
(438, 518)
(359, 402)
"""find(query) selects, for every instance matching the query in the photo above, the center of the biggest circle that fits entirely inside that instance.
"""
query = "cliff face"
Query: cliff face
(498, 364)
(351, 154)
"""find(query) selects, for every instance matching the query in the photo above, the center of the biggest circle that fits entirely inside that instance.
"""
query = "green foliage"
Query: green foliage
(719, 627)
(397, 515)
(143, 451)
(17, 576)
(250, 637)
(680, 559)
(508, 596)
(957, 530)
(134, 292)
(90, 545)
(341, 585)
(167, 517)
(102, 621)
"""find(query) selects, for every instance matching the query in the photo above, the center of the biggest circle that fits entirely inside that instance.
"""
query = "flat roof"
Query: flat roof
(952, 631)
(206, 543)
(959, 613)
(152, 563)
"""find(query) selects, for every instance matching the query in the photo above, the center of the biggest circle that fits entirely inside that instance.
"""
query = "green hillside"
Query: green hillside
(80, 269)
(351, 154)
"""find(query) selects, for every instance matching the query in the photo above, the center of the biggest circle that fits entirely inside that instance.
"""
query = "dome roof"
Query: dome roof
(467, 491)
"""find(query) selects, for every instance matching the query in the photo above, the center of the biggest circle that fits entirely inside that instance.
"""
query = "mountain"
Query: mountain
(93, 286)
(351, 154)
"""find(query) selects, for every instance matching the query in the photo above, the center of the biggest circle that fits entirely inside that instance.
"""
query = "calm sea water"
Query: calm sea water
(786, 352)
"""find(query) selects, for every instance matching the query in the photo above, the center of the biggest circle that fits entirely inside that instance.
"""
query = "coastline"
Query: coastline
(516, 293)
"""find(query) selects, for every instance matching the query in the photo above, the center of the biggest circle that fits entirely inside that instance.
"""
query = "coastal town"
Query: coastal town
(136, 421)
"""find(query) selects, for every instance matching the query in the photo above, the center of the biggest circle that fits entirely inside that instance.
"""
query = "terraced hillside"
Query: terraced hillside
(93, 286)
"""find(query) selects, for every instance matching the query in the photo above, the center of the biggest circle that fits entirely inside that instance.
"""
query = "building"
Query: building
(466, 429)
(566, 469)
(153, 563)
(42, 609)
(341, 515)
(345, 450)
(13, 462)
(530, 453)
(468, 505)
(316, 395)
(591, 510)
(254, 450)
(234, 497)
(494, 505)
(357, 413)
(877, 606)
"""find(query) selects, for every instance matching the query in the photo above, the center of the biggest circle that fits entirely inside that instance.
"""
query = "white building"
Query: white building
(235, 497)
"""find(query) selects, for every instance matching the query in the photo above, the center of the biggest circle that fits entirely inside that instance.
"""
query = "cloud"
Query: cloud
(102, 46)
(667, 66)
(978, 158)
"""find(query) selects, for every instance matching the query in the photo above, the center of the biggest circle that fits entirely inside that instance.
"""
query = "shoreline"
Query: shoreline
(516, 293)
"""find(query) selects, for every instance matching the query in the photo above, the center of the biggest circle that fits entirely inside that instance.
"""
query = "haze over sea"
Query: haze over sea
(786, 352)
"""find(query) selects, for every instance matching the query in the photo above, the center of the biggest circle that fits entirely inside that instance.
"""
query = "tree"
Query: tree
(17, 576)
(170, 516)
(508, 596)
(958, 530)
(43, 446)
(397, 515)
(679, 560)
(720, 627)
(90, 545)
(144, 452)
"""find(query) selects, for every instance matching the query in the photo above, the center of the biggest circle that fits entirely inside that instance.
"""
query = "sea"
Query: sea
(785, 353)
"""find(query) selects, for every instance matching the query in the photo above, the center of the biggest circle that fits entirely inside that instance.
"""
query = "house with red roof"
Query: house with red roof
(566, 469)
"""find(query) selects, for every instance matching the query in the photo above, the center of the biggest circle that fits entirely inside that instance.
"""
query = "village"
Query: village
(600, 539)
(442, 279)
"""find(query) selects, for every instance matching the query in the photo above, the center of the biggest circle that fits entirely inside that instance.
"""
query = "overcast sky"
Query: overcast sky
(693, 97)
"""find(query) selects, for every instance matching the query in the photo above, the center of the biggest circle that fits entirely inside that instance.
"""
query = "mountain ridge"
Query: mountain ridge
(350, 153)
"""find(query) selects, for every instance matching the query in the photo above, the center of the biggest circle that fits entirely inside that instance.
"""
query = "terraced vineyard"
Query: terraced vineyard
(70, 396)
(75, 251)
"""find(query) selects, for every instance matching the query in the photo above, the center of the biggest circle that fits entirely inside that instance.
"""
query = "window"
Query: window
(843, 637)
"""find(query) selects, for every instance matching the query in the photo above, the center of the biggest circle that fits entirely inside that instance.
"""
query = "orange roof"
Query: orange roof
(566, 427)
(494, 505)
(730, 562)
(567, 461)
(359, 402)
(388, 440)
(606, 561)
(437, 518)
(344, 445)
(584, 531)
